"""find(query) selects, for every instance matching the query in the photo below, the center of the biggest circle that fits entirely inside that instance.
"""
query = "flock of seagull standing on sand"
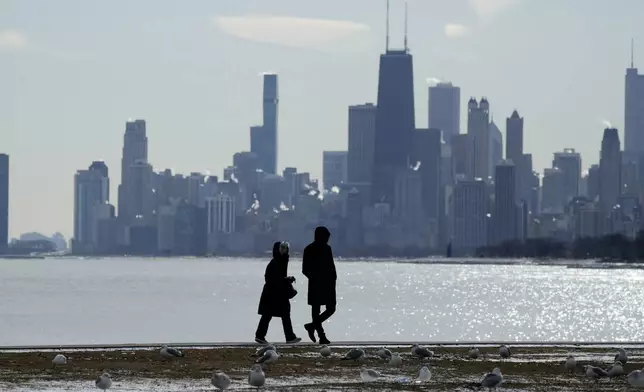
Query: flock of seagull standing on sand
(268, 355)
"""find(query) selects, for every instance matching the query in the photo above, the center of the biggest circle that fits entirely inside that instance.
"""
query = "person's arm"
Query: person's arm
(272, 275)
(334, 274)
(306, 263)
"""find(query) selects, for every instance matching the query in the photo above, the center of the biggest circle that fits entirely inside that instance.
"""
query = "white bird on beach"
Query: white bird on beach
(383, 353)
(221, 381)
(636, 379)
(595, 372)
(104, 381)
(421, 352)
(616, 370)
(424, 374)
(396, 360)
(492, 380)
(325, 351)
(504, 352)
(170, 352)
(269, 357)
(571, 363)
(256, 377)
(369, 375)
(355, 354)
(621, 356)
(473, 353)
(260, 352)
(59, 359)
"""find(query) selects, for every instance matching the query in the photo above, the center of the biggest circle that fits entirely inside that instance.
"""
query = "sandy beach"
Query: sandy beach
(301, 368)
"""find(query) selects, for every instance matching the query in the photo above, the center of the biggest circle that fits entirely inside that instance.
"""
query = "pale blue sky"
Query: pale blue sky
(73, 71)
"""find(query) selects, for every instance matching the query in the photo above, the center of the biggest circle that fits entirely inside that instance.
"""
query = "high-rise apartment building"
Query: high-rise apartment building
(334, 168)
(91, 192)
(264, 138)
(221, 214)
(140, 198)
(408, 201)
(552, 190)
(445, 109)
(478, 126)
(395, 122)
(569, 162)
(462, 148)
(610, 168)
(505, 217)
(135, 149)
(4, 203)
(469, 216)
(362, 133)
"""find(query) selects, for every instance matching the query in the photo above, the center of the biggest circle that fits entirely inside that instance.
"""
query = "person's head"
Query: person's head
(284, 248)
(322, 234)
(276, 249)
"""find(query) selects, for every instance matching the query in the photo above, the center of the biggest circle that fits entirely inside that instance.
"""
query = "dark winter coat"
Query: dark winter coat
(275, 295)
(318, 266)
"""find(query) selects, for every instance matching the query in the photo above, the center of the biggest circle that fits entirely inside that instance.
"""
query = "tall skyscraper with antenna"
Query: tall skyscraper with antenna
(395, 119)
(634, 112)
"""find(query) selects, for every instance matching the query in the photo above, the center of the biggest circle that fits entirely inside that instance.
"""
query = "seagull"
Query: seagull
(492, 380)
(368, 375)
(263, 350)
(104, 381)
(621, 356)
(421, 352)
(256, 377)
(396, 360)
(220, 381)
(424, 374)
(636, 379)
(325, 351)
(595, 372)
(355, 354)
(383, 353)
(504, 352)
(59, 359)
(269, 357)
(473, 353)
(169, 352)
(571, 363)
(616, 370)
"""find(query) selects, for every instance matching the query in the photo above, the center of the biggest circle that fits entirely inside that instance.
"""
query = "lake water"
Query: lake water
(116, 301)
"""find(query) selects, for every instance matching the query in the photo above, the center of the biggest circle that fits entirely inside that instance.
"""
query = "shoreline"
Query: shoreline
(301, 368)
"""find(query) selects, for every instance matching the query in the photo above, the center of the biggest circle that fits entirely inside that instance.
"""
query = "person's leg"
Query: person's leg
(328, 312)
(288, 329)
(262, 328)
(312, 326)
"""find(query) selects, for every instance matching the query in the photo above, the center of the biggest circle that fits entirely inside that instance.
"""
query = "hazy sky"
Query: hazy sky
(73, 71)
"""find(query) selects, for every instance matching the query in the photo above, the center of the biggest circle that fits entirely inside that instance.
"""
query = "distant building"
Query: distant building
(91, 190)
(135, 149)
(362, 133)
(334, 168)
(553, 190)
(569, 162)
(610, 167)
(408, 200)
(505, 203)
(428, 157)
(592, 183)
(140, 193)
(514, 137)
(469, 216)
(221, 214)
(496, 147)
(478, 126)
(634, 114)
(4, 203)
(264, 139)
(463, 155)
(445, 109)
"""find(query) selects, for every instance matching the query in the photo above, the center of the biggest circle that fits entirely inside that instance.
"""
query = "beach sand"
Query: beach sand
(301, 368)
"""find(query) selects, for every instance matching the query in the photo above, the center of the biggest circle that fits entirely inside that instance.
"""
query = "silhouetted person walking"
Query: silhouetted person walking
(318, 266)
(276, 295)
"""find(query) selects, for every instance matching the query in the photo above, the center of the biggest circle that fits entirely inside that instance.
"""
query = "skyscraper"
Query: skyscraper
(4, 203)
(478, 126)
(334, 168)
(610, 167)
(505, 203)
(427, 151)
(91, 190)
(135, 148)
(469, 215)
(496, 147)
(263, 139)
(445, 109)
(514, 137)
(362, 132)
(634, 114)
(569, 162)
(395, 119)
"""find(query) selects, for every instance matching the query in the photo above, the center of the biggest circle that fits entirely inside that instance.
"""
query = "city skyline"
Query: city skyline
(177, 140)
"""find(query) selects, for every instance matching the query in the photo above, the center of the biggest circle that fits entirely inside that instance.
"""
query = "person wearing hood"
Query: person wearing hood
(276, 295)
(318, 266)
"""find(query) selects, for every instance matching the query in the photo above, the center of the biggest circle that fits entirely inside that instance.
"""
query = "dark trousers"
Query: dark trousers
(262, 328)
(319, 318)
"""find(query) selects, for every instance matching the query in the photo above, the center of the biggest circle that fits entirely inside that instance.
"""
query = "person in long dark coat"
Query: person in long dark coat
(318, 266)
(275, 299)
